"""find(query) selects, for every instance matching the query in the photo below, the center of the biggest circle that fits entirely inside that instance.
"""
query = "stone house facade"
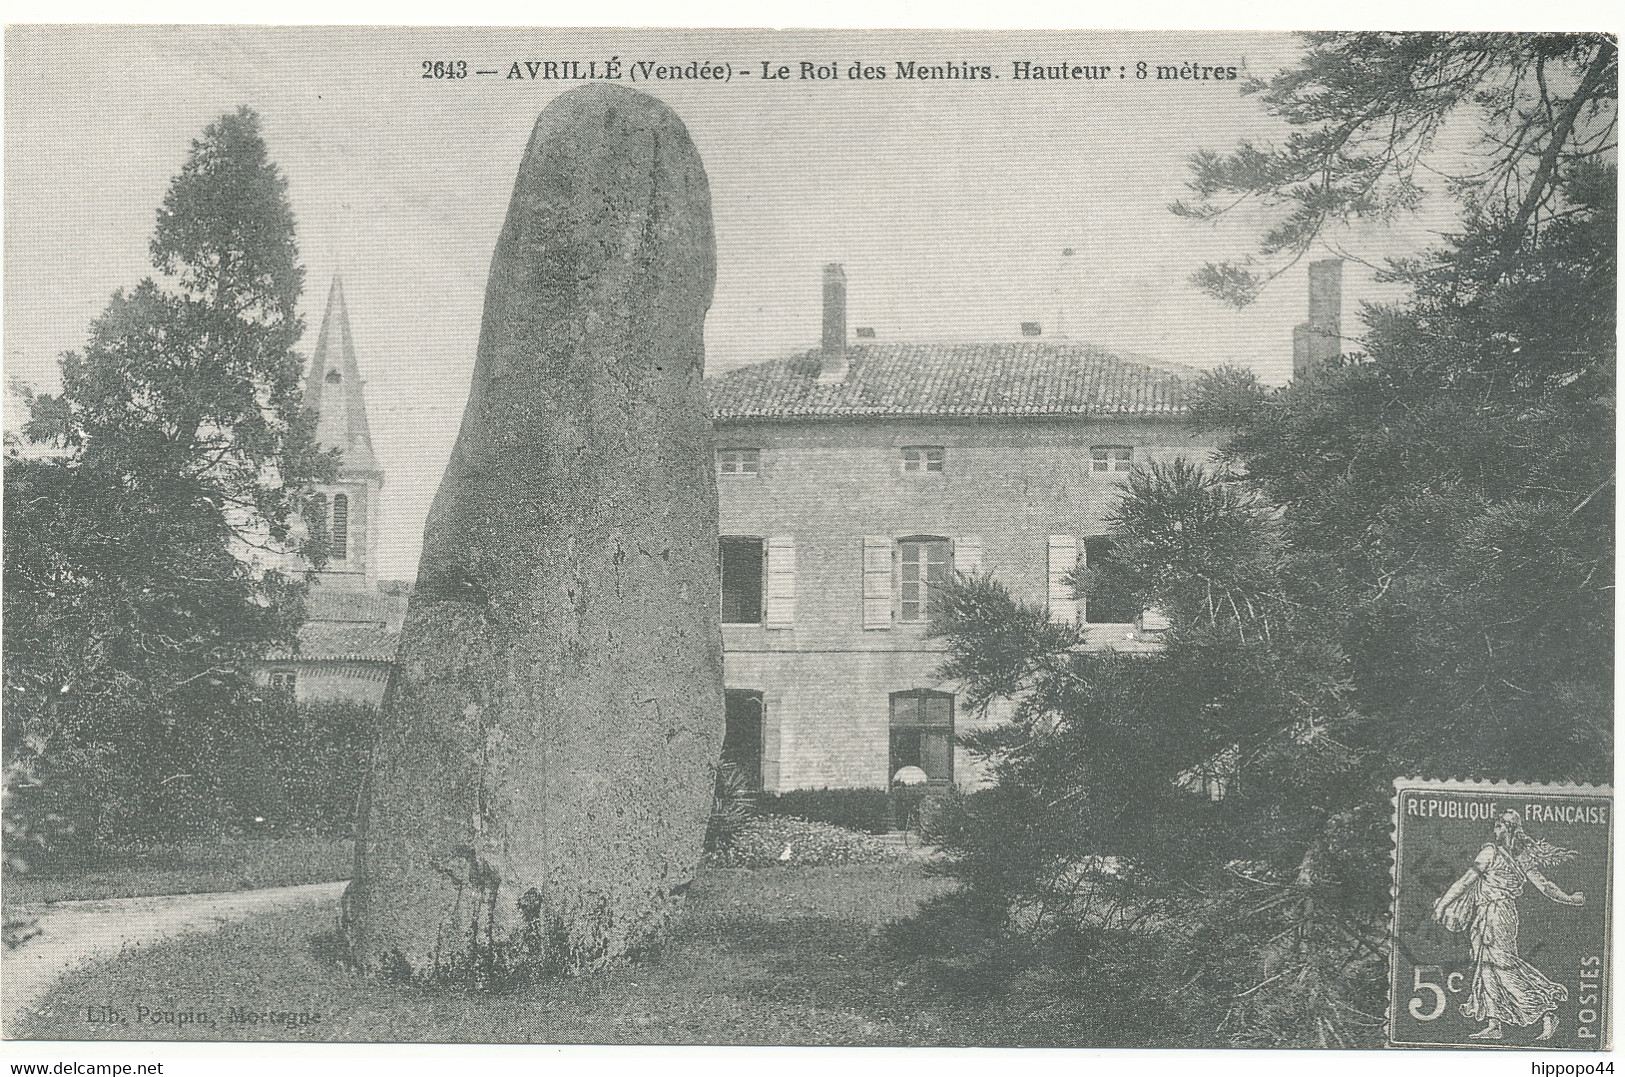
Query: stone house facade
(852, 477)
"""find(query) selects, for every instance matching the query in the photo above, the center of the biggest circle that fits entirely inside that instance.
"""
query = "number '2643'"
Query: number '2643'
(445, 69)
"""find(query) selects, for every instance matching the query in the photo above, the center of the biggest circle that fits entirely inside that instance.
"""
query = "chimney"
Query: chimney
(832, 364)
(1318, 342)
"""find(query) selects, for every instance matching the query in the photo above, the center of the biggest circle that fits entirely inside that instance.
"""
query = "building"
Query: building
(854, 476)
(1318, 342)
(353, 620)
(850, 478)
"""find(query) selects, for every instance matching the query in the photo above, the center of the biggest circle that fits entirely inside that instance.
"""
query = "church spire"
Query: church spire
(333, 390)
(347, 506)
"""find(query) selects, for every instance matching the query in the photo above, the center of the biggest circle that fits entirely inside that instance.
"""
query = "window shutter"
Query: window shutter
(781, 582)
(968, 554)
(340, 548)
(876, 581)
(1063, 558)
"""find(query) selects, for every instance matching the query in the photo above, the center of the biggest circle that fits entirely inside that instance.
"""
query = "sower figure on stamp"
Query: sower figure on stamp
(1484, 902)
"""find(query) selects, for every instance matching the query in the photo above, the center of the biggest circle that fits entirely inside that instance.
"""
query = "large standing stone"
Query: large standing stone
(539, 792)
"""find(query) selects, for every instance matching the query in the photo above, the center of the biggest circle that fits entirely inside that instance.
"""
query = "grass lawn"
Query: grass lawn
(195, 868)
(759, 956)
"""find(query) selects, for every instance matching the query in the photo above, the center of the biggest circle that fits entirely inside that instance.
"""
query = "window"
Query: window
(1105, 604)
(923, 564)
(316, 517)
(341, 527)
(922, 733)
(282, 680)
(330, 524)
(739, 461)
(333, 377)
(1111, 457)
(742, 565)
(922, 458)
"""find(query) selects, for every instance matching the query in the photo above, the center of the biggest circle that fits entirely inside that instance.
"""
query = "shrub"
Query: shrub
(22, 836)
(944, 813)
(265, 767)
(293, 768)
(732, 806)
(851, 809)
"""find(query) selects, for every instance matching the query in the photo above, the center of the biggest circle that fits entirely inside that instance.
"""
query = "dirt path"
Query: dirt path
(73, 933)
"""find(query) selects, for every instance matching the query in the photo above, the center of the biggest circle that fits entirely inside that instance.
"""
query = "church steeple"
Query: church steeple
(334, 390)
(348, 507)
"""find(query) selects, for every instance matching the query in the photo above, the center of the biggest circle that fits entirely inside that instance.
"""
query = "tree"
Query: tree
(1402, 565)
(1451, 493)
(1225, 398)
(132, 600)
(1189, 836)
(1369, 112)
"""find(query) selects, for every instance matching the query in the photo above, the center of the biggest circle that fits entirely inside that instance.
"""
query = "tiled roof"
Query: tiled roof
(331, 604)
(330, 641)
(1014, 379)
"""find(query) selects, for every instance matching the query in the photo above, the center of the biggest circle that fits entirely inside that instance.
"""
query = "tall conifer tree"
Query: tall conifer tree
(1402, 566)
(141, 563)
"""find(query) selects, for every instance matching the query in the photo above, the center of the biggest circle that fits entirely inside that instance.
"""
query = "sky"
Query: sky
(948, 202)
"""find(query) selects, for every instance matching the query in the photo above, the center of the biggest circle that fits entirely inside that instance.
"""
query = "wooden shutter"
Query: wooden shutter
(1063, 558)
(340, 548)
(781, 582)
(968, 554)
(876, 581)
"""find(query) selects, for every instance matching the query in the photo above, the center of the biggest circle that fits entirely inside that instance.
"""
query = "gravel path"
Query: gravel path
(73, 933)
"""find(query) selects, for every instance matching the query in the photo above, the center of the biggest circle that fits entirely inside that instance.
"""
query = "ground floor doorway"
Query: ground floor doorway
(742, 736)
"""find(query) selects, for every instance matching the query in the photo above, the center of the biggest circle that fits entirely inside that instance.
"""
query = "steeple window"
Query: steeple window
(341, 527)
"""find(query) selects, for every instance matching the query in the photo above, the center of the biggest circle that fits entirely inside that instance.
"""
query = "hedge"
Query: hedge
(852, 809)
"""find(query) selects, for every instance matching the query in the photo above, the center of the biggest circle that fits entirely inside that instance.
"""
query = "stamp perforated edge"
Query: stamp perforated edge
(1499, 786)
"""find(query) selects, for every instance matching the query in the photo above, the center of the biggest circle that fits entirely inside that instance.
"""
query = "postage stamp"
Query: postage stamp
(1502, 915)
